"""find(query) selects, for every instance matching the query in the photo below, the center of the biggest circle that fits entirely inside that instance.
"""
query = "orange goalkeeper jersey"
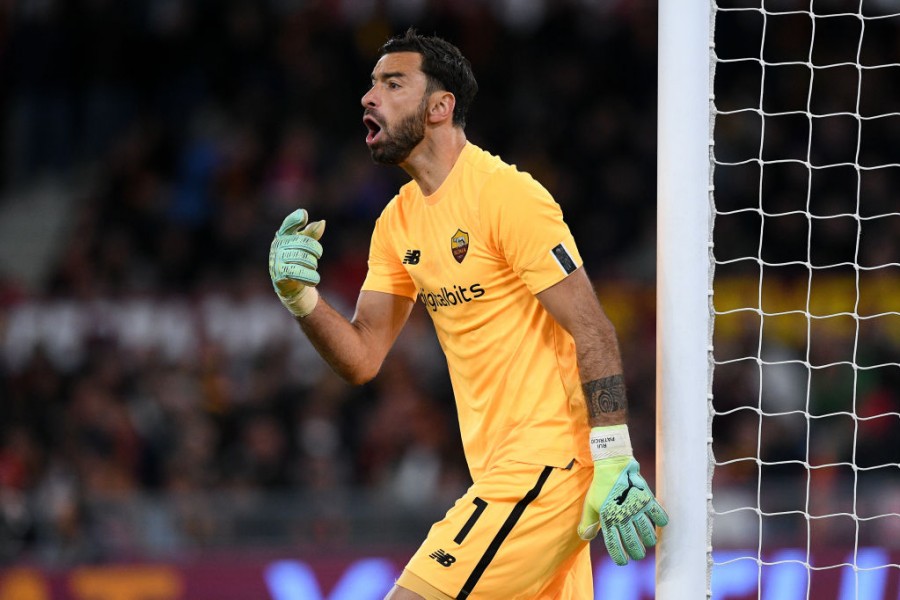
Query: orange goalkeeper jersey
(475, 253)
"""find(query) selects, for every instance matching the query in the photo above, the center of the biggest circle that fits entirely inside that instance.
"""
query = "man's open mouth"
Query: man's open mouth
(374, 129)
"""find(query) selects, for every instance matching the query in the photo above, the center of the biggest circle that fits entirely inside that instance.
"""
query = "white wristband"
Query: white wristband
(607, 442)
(303, 303)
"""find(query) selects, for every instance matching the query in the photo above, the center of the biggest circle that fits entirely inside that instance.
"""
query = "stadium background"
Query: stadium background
(158, 407)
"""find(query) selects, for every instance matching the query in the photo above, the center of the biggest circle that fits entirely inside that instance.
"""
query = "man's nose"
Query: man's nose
(369, 98)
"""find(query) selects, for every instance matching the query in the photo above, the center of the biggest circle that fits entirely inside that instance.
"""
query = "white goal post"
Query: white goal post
(683, 280)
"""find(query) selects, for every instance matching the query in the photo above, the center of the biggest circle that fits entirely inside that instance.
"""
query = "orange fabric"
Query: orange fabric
(475, 253)
(412, 582)
(512, 536)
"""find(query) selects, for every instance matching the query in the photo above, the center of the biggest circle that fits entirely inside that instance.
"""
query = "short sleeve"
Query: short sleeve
(386, 273)
(526, 226)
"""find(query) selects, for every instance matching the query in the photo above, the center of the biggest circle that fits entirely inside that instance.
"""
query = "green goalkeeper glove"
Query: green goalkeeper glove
(619, 501)
(293, 259)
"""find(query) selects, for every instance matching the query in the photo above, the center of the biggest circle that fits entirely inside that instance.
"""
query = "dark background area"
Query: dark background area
(154, 395)
(146, 357)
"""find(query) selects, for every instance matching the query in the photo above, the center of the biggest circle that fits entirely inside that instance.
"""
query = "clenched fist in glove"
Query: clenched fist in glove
(619, 502)
(293, 259)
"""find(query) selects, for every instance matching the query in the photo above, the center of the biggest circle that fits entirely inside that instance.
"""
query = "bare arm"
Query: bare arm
(619, 501)
(355, 349)
(574, 305)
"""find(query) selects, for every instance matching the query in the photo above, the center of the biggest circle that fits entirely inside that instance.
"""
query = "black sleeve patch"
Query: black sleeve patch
(564, 259)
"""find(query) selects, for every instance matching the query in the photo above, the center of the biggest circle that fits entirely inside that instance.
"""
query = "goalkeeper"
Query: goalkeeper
(533, 359)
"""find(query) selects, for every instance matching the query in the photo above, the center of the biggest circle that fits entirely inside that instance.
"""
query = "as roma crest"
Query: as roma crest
(459, 245)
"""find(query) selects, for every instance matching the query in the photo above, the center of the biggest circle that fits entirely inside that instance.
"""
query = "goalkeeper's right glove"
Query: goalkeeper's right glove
(293, 259)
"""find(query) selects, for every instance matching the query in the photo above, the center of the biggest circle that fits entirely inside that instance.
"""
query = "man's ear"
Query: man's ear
(440, 107)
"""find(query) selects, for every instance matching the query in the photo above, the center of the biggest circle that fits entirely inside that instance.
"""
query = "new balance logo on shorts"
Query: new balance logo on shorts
(412, 257)
(443, 558)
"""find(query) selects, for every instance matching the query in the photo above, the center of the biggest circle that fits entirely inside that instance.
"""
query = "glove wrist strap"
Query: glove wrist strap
(303, 304)
(609, 442)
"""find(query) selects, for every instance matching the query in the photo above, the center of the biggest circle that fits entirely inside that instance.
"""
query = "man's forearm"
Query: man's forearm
(606, 401)
(574, 305)
(603, 383)
(341, 343)
(356, 348)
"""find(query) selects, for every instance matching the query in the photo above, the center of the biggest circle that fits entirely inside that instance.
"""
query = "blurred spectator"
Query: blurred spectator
(156, 363)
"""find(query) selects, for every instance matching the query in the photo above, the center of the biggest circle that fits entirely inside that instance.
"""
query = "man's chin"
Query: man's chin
(385, 156)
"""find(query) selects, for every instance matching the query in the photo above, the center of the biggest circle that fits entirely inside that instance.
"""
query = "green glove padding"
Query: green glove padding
(293, 259)
(621, 504)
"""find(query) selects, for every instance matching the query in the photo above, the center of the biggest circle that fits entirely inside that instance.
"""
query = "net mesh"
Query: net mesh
(806, 299)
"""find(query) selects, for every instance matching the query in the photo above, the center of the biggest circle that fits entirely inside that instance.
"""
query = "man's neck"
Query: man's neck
(433, 159)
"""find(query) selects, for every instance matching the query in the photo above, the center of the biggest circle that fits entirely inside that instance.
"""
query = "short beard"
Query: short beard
(399, 143)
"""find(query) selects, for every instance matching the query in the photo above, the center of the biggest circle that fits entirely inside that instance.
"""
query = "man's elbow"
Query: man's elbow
(360, 375)
(357, 378)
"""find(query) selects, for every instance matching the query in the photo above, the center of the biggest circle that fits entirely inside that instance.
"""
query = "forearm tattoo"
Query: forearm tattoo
(605, 395)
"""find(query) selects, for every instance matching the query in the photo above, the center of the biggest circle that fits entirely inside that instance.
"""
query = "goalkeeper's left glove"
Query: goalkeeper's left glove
(619, 501)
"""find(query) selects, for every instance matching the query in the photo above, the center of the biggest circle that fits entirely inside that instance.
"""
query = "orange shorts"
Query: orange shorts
(511, 536)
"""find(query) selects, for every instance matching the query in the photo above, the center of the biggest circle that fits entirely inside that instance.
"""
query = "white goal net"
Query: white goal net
(805, 397)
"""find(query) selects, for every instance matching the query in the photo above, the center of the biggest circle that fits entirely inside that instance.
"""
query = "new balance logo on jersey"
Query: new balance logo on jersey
(412, 257)
(442, 558)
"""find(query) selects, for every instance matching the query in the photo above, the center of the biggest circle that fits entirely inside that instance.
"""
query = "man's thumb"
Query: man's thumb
(314, 230)
(590, 523)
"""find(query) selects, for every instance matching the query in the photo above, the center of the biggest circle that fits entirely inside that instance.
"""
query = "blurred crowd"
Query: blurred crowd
(153, 360)
(154, 357)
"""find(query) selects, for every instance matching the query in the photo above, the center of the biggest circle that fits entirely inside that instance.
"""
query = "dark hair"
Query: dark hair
(443, 64)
